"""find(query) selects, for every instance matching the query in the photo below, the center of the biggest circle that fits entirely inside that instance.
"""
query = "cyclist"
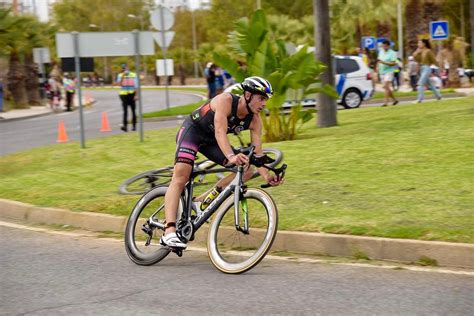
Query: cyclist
(205, 130)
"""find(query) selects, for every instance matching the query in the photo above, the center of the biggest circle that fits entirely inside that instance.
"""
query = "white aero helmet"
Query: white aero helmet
(258, 85)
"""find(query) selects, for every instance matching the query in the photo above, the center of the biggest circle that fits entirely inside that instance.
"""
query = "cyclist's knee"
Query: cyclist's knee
(181, 174)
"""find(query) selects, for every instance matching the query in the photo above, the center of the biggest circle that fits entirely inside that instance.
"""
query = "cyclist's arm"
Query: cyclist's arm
(256, 139)
(222, 105)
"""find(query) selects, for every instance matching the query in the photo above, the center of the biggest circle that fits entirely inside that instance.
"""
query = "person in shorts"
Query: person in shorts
(386, 62)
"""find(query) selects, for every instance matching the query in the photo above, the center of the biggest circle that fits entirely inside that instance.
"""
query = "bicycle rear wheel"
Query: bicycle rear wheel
(144, 182)
(232, 251)
(142, 239)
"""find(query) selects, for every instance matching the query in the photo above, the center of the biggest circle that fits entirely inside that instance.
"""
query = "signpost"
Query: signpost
(161, 66)
(162, 19)
(99, 44)
(41, 56)
(439, 30)
(368, 42)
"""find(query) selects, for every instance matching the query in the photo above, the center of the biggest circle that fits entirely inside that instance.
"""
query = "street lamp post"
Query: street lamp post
(400, 30)
(194, 44)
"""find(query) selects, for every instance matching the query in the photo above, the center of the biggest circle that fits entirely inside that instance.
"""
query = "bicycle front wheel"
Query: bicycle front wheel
(232, 251)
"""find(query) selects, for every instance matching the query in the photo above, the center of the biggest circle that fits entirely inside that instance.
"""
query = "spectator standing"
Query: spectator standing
(210, 73)
(386, 61)
(219, 80)
(70, 88)
(54, 92)
(128, 82)
(412, 69)
(425, 57)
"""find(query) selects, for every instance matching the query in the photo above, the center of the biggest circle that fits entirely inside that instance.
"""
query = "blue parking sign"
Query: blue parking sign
(439, 30)
(368, 42)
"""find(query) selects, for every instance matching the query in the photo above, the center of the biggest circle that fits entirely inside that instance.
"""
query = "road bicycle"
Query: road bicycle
(145, 181)
(240, 234)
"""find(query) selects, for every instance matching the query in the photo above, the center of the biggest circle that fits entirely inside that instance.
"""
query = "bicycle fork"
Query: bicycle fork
(239, 199)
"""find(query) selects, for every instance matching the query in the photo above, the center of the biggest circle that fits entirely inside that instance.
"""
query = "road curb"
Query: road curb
(400, 250)
(24, 117)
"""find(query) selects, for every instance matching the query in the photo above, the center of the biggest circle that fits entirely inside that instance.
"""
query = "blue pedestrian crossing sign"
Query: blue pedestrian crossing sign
(439, 30)
(368, 42)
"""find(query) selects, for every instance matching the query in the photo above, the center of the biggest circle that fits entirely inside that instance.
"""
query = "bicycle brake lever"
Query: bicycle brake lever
(277, 172)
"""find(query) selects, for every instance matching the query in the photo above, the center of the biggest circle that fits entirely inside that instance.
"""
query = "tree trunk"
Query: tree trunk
(384, 30)
(413, 11)
(327, 110)
(16, 82)
(31, 81)
(471, 10)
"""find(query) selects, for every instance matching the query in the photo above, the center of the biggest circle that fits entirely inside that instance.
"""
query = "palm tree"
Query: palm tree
(12, 39)
(352, 19)
(419, 13)
(36, 35)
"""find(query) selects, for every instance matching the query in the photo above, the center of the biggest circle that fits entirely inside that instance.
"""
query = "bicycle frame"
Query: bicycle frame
(202, 217)
(234, 187)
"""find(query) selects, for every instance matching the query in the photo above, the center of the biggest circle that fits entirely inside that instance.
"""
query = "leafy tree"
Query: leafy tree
(257, 52)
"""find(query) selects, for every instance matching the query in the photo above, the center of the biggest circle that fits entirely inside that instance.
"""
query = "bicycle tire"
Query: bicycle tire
(138, 253)
(220, 234)
(146, 181)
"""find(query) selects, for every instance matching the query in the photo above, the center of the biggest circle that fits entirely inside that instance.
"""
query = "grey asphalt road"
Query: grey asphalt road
(35, 132)
(48, 274)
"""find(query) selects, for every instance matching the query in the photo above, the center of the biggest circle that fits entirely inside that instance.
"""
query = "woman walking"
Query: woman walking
(425, 58)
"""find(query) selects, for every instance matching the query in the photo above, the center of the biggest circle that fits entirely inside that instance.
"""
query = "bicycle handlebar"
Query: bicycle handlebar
(261, 162)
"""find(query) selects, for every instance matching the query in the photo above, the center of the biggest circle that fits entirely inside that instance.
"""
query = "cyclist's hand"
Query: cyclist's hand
(274, 180)
(239, 159)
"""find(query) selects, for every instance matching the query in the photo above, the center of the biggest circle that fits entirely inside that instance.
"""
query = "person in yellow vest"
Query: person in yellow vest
(128, 82)
(70, 88)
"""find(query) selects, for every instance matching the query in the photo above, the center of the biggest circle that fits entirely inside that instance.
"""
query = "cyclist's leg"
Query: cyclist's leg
(187, 144)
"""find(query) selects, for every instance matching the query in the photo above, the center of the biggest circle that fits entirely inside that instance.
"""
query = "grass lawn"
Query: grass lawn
(380, 95)
(403, 172)
(178, 110)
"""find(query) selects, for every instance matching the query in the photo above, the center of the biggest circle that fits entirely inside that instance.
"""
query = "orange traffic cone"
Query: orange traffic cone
(105, 123)
(62, 135)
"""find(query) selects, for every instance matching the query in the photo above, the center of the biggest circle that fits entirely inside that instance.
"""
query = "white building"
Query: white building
(40, 8)
(188, 4)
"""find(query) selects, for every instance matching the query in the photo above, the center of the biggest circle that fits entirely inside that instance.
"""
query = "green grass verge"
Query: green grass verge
(398, 94)
(403, 172)
(178, 110)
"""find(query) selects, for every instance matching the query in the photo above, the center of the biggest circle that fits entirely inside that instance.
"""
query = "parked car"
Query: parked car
(353, 83)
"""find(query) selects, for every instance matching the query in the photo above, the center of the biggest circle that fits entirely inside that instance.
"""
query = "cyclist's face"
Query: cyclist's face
(258, 103)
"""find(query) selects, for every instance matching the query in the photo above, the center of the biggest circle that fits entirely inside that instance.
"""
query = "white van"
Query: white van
(353, 83)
